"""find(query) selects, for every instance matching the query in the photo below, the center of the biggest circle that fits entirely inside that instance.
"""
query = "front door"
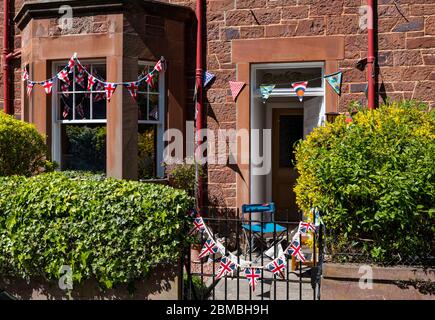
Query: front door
(287, 128)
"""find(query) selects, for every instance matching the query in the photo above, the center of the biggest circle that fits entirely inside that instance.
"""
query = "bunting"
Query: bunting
(266, 90)
(253, 274)
(300, 88)
(25, 75)
(236, 88)
(30, 85)
(110, 88)
(334, 81)
(208, 77)
(47, 85)
(133, 88)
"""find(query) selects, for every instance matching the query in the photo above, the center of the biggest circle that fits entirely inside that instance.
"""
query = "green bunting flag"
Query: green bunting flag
(265, 91)
(334, 81)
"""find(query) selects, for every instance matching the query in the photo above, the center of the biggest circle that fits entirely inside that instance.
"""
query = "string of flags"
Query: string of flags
(94, 81)
(333, 79)
(229, 263)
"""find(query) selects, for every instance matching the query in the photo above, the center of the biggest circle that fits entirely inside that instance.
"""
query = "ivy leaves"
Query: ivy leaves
(113, 231)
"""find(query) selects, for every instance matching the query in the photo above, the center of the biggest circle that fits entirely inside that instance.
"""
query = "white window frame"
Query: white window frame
(56, 119)
(160, 123)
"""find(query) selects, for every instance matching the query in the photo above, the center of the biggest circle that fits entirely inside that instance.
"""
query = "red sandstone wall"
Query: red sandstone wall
(406, 53)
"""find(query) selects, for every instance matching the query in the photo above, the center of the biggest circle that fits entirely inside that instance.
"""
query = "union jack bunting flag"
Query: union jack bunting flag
(30, 85)
(80, 68)
(72, 63)
(91, 81)
(199, 224)
(226, 266)
(151, 79)
(160, 66)
(63, 75)
(210, 247)
(110, 89)
(48, 85)
(295, 250)
(66, 111)
(304, 227)
(25, 75)
(80, 79)
(64, 87)
(253, 275)
(101, 95)
(132, 87)
(154, 113)
(277, 266)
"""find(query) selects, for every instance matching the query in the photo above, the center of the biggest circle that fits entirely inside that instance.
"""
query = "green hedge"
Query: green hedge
(375, 180)
(22, 148)
(113, 231)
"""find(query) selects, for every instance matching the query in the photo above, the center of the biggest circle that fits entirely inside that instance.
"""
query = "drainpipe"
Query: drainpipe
(6, 52)
(199, 102)
(371, 55)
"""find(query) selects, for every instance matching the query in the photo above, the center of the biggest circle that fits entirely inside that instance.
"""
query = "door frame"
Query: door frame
(280, 92)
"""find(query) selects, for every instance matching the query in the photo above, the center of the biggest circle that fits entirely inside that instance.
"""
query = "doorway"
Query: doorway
(282, 120)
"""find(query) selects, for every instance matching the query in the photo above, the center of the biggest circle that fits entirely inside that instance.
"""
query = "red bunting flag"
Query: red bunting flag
(80, 79)
(226, 266)
(277, 266)
(236, 88)
(64, 87)
(48, 86)
(110, 89)
(132, 87)
(151, 79)
(30, 85)
(295, 250)
(300, 88)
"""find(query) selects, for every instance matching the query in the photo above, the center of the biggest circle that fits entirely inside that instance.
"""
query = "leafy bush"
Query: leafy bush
(374, 178)
(113, 231)
(183, 176)
(22, 148)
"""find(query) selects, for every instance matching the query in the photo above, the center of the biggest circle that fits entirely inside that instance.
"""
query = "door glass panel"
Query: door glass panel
(290, 131)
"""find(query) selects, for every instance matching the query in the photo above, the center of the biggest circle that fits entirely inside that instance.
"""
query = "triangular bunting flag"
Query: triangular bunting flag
(25, 75)
(91, 81)
(64, 87)
(30, 85)
(334, 81)
(72, 62)
(304, 227)
(295, 250)
(63, 75)
(110, 89)
(277, 266)
(160, 66)
(208, 77)
(266, 90)
(236, 88)
(48, 85)
(132, 87)
(80, 79)
(300, 88)
(151, 79)
(210, 247)
(226, 266)
(252, 274)
(199, 224)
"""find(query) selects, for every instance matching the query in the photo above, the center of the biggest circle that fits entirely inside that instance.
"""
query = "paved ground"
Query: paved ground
(231, 288)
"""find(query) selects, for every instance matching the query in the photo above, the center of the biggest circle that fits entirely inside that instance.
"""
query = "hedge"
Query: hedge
(112, 231)
(374, 179)
(22, 148)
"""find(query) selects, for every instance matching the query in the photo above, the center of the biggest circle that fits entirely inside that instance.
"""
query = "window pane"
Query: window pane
(283, 78)
(84, 147)
(146, 151)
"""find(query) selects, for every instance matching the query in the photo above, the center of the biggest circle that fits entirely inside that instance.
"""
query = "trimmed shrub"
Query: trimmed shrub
(374, 179)
(22, 148)
(112, 231)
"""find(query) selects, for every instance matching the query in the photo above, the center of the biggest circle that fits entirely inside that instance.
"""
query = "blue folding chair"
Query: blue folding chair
(261, 225)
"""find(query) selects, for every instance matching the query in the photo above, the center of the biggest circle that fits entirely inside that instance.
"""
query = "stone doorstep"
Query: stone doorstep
(350, 271)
